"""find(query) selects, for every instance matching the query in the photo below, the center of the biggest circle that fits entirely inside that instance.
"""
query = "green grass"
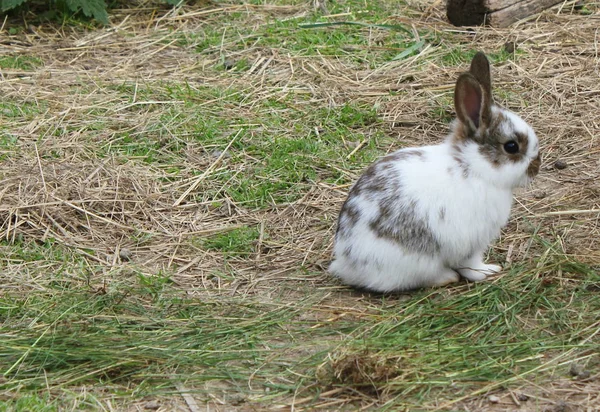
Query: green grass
(22, 110)
(8, 145)
(22, 62)
(283, 145)
(142, 331)
(137, 329)
(228, 35)
(238, 242)
(32, 402)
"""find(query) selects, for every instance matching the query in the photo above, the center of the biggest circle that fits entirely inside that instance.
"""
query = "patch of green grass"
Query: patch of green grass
(148, 148)
(284, 166)
(282, 147)
(8, 145)
(154, 284)
(443, 108)
(20, 250)
(29, 402)
(183, 117)
(348, 42)
(237, 242)
(228, 35)
(353, 116)
(229, 29)
(459, 56)
(585, 10)
(21, 62)
(10, 110)
(125, 335)
(66, 268)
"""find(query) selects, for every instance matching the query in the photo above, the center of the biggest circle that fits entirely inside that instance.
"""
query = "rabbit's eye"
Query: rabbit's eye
(511, 147)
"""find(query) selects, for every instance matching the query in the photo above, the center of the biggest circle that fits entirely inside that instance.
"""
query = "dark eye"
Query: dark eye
(511, 147)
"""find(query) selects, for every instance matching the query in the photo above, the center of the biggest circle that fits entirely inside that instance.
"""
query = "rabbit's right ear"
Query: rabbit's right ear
(480, 69)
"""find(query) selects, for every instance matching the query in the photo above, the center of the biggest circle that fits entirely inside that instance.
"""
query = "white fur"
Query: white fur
(475, 207)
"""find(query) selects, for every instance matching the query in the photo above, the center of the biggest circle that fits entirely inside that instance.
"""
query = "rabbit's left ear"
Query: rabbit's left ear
(473, 95)
(472, 107)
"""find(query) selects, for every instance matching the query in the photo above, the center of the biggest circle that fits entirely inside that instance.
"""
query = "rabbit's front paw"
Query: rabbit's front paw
(479, 272)
(491, 269)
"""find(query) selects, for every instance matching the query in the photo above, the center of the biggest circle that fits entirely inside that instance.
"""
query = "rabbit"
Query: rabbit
(420, 217)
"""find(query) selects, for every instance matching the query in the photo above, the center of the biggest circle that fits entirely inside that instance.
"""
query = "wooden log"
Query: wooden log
(496, 13)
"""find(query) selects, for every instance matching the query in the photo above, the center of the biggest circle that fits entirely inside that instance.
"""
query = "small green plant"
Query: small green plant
(96, 9)
(90, 8)
(154, 284)
(6, 5)
(26, 63)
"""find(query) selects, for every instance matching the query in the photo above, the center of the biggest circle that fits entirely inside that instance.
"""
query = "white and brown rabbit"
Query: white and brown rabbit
(419, 217)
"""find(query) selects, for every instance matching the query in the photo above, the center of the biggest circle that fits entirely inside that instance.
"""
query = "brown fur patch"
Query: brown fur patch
(494, 138)
(480, 69)
(461, 132)
(397, 221)
(463, 164)
(349, 217)
(380, 176)
(402, 155)
(534, 166)
(353, 213)
(370, 181)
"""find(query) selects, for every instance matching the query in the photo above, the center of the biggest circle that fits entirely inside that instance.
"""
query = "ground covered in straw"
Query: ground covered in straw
(170, 187)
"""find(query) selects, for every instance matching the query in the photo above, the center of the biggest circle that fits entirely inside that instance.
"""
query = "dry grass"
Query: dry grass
(101, 158)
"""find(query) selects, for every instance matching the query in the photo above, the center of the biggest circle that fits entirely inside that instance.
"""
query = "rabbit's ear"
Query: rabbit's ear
(471, 103)
(480, 69)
